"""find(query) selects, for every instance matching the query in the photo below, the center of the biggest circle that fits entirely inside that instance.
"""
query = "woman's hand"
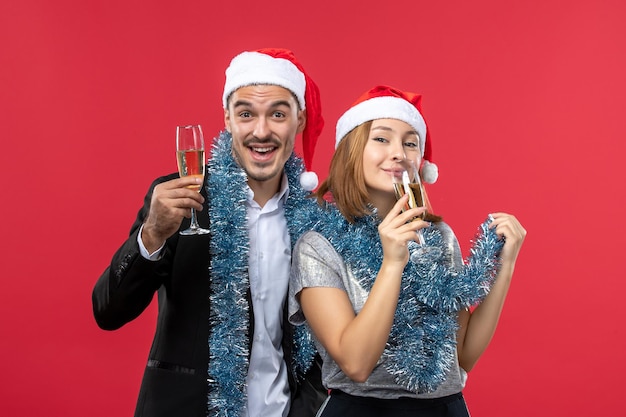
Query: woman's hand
(507, 226)
(397, 229)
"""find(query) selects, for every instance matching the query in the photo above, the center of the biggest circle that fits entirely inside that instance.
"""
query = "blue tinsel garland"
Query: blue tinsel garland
(421, 346)
(229, 281)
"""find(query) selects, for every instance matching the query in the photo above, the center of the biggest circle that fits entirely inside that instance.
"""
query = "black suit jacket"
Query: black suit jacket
(175, 378)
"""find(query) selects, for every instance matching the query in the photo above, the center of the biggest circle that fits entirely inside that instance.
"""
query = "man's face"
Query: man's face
(264, 121)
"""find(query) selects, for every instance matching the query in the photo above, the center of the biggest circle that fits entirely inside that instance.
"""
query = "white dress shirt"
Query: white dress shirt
(270, 258)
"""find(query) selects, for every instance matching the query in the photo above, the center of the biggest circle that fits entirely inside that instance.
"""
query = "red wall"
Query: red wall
(525, 103)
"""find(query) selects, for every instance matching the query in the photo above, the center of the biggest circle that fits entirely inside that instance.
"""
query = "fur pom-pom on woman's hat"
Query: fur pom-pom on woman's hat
(384, 102)
(277, 66)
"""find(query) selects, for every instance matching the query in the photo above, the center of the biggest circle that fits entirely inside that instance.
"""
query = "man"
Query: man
(220, 347)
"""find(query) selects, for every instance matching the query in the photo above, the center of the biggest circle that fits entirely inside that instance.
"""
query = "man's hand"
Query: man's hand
(171, 201)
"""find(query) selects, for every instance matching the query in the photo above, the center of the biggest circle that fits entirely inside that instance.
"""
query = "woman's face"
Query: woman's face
(390, 141)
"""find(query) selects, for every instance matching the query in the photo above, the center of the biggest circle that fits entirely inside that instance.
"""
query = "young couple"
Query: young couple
(394, 336)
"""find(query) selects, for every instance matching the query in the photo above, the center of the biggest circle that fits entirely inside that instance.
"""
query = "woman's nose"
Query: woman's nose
(397, 152)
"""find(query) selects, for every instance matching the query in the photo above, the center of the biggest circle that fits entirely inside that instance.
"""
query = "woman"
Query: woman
(396, 336)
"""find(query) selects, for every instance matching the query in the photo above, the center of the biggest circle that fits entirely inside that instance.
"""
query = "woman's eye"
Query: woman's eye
(411, 144)
(379, 139)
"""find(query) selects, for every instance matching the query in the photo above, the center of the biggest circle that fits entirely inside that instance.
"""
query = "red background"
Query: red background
(525, 103)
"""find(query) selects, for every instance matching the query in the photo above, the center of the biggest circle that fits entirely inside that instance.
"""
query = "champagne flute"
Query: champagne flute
(191, 163)
(407, 181)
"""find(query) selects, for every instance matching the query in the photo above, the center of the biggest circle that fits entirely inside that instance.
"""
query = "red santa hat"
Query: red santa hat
(276, 66)
(384, 102)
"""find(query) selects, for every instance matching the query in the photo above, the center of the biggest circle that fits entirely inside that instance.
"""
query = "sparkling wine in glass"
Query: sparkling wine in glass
(191, 163)
(407, 181)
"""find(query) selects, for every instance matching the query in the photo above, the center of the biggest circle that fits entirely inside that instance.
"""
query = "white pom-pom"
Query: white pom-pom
(430, 172)
(308, 180)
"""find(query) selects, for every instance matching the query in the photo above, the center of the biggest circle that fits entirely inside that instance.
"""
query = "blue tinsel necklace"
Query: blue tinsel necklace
(228, 271)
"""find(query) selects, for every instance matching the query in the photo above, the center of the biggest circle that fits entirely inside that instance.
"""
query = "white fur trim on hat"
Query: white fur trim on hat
(385, 107)
(429, 172)
(256, 68)
(309, 180)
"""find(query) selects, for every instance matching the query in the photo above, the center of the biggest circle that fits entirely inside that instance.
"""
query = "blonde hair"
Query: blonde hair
(345, 181)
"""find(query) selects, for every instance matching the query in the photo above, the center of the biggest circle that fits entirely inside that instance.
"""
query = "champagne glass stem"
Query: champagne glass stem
(420, 238)
(194, 219)
(194, 228)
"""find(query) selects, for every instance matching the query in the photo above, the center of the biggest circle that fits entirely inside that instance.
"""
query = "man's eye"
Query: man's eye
(279, 114)
(244, 114)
